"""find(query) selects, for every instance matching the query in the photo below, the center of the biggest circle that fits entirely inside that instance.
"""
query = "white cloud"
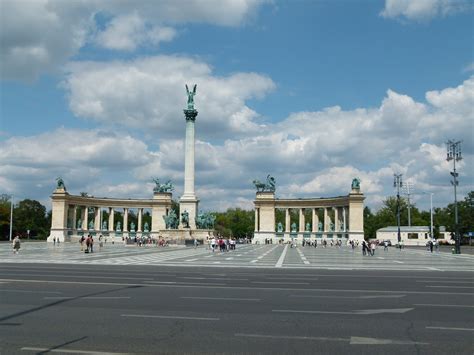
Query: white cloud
(423, 9)
(40, 36)
(149, 93)
(130, 31)
(311, 154)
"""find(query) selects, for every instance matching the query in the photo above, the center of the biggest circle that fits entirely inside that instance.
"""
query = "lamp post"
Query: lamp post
(407, 186)
(11, 216)
(397, 182)
(454, 154)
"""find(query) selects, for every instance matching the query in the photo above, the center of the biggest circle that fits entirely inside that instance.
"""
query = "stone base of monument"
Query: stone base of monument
(298, 237)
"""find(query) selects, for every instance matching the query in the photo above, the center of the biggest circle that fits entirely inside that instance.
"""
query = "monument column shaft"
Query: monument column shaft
(336, 219)
(189, 160)
(287, 220)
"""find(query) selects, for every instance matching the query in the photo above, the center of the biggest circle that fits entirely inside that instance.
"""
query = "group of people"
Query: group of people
(368, 248)
(87, 243)
(223, 244)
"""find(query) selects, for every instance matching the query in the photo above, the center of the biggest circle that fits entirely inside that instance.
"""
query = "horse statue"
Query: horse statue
(166, 187)
(60, 183)
(355, 184)
(185, 219)
(268, 186)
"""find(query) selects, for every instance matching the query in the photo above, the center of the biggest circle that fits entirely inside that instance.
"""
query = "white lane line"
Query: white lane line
(379, 257)
(71, 351)
(352, 340)
(282, 257)
(449, 328)
(229, 258)
(191, 260)
(443, 305)
(349, 297)
(167, 317)
(216, 262)
(398, 262)
(302, 257)
(356, 312)
(223, 298)
(28, 291)
(445, 282)
(437, 286)
(280, 283)
(87, 298)
(254, 261)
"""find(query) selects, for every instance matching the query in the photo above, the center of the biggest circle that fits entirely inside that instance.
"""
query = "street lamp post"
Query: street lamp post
(397, 182)
(454, 154)
(11, 217)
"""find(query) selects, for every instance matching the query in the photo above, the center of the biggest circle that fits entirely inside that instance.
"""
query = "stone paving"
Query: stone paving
(245, 255)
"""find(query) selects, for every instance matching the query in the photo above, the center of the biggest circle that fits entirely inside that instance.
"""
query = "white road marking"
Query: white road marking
(71, 351)
(254, 261)
(223, 298)
(443, 305)
(398, 262)
(352, 340)
(282, 257)
(449, 328)
(229, 258)
(376, 341)
(445, 281)
(280, 283)
(28, 291)
(436, 286)
(87, 298)
(357, 312)
(167, 317)
(191, 260)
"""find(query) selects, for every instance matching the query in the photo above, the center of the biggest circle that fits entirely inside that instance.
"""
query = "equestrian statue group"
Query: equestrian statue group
(268, 186)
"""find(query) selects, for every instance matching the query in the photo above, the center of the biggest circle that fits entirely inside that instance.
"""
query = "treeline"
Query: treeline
(238, 223)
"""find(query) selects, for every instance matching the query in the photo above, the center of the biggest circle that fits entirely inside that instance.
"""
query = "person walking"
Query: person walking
(364, 247)
(16, 244)
(385, 246)
(372, 248)
(195, 243)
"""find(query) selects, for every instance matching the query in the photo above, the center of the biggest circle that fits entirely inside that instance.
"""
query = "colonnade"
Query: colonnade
(341, 217)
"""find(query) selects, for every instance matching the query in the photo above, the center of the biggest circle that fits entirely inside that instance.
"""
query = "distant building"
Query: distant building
(414, 235)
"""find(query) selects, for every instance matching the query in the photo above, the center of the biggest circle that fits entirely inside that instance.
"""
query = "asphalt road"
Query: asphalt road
(91, 309)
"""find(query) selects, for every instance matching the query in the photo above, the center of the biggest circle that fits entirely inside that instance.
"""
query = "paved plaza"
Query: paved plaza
(245, 255)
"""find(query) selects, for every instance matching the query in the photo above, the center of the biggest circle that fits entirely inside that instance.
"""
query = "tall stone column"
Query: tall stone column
(111, 219)
(336, 220)
(125, 220)
(189, 201)
(74, 217)
(140, 213)
(315, 220)
(287, 221)
(344, 225)
(97, 218)
(85, 217)
(256, 220)
(301, 224)
(326, 220)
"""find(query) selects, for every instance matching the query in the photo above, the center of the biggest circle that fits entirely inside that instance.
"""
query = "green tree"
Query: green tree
(5, 216)
(235, 223)
(31, 215)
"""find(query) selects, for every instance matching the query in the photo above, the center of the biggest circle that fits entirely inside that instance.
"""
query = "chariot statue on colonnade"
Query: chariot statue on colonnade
(159, 187)
(264, 187)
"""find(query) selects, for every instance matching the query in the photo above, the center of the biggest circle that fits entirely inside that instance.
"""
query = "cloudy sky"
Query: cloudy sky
(313, 92)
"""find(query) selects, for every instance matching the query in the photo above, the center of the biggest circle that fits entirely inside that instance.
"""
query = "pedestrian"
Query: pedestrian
(91, 244)
(372, 248)
(54, 241)
(81, 242)
(16, 244)
(101, 244)
(431, 245)
(195, 243)
(385, 245)
(364, 248)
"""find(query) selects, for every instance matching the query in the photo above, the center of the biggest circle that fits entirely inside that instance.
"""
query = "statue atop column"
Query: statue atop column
(60, 184)
(191, 97)
(269, 186)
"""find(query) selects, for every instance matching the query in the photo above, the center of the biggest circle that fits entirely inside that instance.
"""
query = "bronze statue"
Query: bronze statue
(191, 96)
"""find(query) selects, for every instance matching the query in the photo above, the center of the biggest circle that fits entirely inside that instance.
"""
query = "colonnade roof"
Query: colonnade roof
(92, 201)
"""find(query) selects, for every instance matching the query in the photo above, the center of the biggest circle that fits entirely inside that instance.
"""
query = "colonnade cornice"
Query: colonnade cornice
(104, 202)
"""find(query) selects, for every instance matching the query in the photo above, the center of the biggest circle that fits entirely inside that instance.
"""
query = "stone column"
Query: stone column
(287, 220)
(315, 220)
(189, 201)
(125, 220)
(85, 217)
(336, 219)
(344, 219)
(111, 219)
(256, 220)
(326, 220)
(97, 218)
(74, 217)
(301, 224)
(140, 212)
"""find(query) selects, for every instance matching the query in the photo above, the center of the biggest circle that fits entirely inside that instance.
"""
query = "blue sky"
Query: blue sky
(313, 92)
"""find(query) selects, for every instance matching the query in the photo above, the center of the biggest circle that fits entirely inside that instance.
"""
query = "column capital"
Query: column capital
(190, 114)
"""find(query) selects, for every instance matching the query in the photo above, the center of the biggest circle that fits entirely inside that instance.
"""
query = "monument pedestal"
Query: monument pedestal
(189, 204)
